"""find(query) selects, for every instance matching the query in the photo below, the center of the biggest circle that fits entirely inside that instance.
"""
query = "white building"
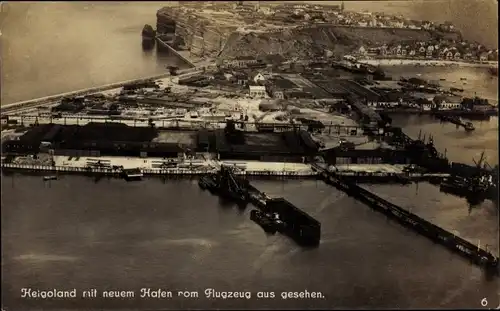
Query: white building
(257, 91)
(447, 102)
(259, 77)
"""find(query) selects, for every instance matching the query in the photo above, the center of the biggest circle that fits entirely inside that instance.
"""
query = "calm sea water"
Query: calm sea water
(78, 233)
(51, 48)
(459, 145)
(75, 233)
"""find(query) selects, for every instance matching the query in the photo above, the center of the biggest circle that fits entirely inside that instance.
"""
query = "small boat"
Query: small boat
(207, 182)
(51, 177)
(264, 220)
(469, 127)
(132, 174)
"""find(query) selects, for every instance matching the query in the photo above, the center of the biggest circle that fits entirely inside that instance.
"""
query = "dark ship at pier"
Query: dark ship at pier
(473, 182)
(233, 191)
(273, 214)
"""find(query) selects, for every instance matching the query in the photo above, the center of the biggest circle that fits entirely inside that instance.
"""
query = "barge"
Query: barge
(208, 183)
(132, 174)
(264, 220)
(298, 225)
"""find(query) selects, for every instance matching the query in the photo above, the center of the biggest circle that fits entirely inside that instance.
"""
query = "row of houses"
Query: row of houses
(429, 52)
(427, 102)
(380, 20)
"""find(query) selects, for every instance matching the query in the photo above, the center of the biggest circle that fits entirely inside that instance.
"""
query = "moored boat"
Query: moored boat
(264, 220)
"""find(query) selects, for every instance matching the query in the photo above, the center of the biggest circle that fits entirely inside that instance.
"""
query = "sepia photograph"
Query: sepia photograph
(249, 155)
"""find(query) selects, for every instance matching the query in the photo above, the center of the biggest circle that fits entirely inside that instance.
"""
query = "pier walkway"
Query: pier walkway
(457, 244)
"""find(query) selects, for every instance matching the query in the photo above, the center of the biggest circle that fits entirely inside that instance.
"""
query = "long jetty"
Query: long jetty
(451, 241)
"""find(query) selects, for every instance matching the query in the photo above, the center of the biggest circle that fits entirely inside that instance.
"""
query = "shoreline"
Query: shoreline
(426, 63)
(35, 102)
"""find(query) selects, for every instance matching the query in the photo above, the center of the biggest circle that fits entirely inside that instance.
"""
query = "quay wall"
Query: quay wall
(150, 171)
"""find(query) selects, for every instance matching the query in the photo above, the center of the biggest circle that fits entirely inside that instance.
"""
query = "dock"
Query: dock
(174, 171)
(296, 224)
(455, 243)
(468, 126)
(381, 173)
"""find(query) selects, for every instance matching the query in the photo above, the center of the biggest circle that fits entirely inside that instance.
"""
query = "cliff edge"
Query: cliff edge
(228, 35)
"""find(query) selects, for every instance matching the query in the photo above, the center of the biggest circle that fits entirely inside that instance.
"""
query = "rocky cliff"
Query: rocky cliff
(198, 35)
(313, 41)
(205, 36)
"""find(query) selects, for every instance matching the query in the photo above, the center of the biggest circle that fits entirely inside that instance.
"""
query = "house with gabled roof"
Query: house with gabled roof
(258, 77)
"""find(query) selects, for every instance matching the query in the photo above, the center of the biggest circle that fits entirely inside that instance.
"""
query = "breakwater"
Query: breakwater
(451, 241)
